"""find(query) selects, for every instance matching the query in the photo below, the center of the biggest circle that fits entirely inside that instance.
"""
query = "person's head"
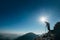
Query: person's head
(57, 26)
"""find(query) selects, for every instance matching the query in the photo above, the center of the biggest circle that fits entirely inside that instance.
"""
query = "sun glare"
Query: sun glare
(43, 19)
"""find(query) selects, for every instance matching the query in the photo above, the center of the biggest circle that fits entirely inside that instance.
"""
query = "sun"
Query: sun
(43, 19)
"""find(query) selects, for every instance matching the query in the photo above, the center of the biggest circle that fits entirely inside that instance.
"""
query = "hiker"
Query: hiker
(57, 31)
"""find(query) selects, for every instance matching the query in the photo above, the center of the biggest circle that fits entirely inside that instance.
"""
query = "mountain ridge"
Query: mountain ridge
(27, 36)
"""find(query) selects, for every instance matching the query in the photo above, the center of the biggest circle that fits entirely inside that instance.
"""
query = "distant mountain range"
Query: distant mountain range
(27, 36)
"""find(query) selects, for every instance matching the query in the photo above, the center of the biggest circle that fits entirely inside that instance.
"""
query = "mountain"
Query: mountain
(8, 36)
(28, 36)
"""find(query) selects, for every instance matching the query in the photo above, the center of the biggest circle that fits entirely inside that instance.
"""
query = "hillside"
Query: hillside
(28, 36)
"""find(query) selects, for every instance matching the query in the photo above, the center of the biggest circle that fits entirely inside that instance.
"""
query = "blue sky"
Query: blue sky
(21, 16)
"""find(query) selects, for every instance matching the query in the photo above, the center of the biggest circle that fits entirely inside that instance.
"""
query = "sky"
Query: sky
(22, 16)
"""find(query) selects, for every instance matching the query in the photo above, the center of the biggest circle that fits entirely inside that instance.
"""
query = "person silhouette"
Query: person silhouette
(57, 31)
(48, 25)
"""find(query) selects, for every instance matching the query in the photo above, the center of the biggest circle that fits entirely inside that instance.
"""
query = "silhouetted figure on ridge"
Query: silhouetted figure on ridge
(48, 26)
(57, 31)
